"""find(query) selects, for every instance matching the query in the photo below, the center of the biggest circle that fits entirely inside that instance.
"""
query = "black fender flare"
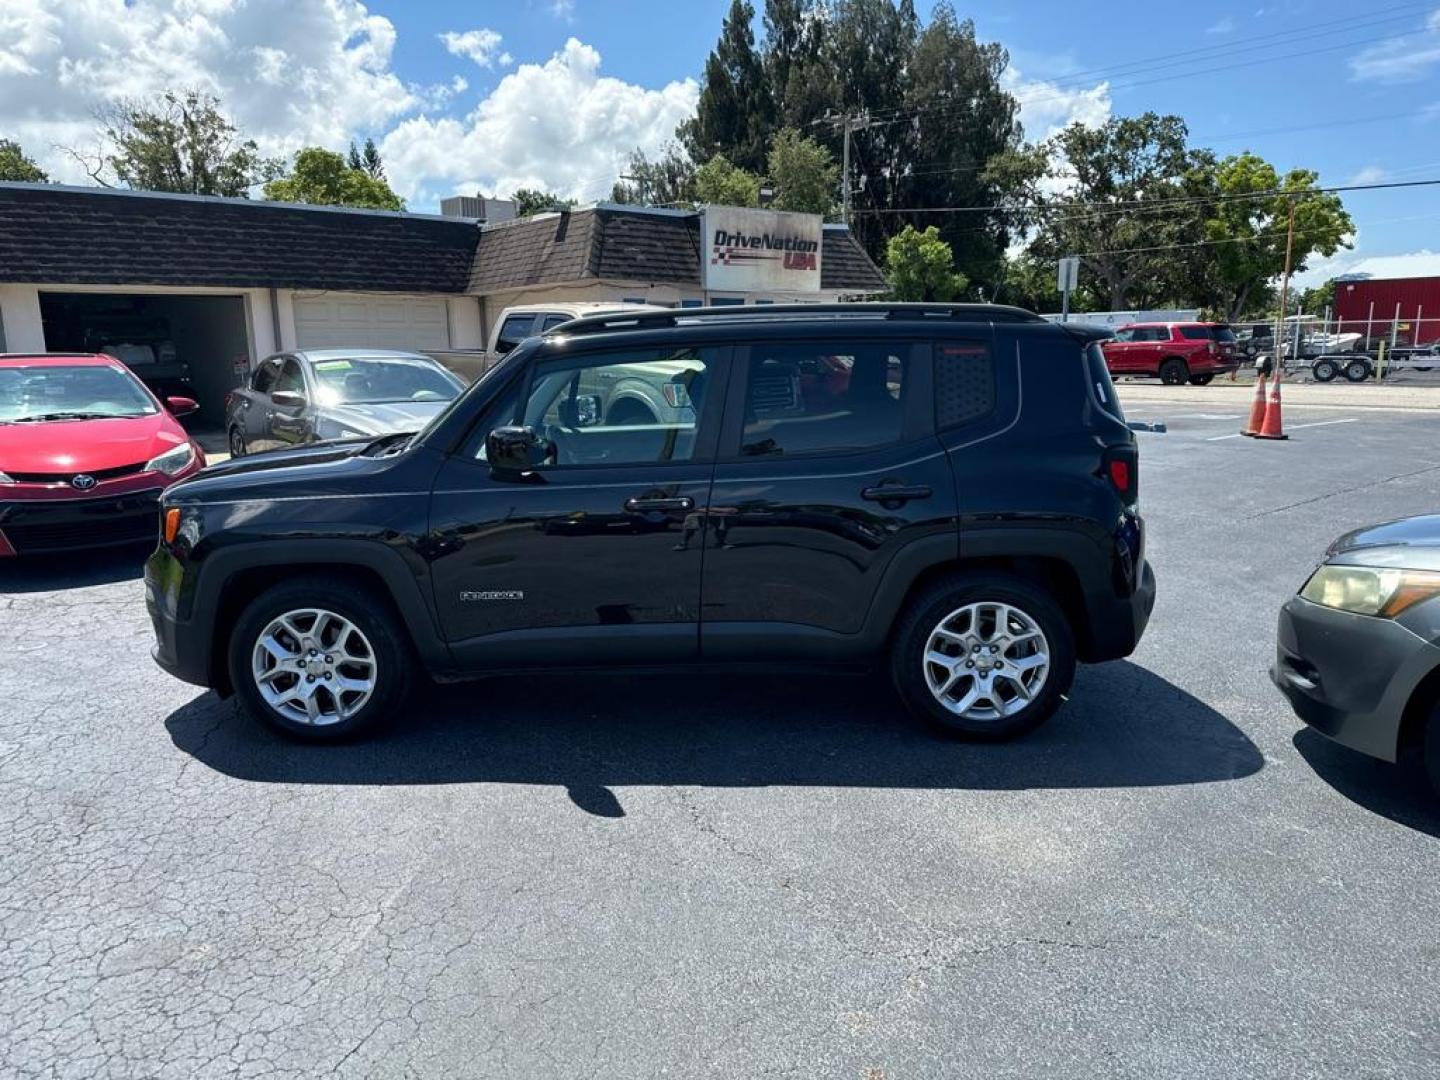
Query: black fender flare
(407, 592)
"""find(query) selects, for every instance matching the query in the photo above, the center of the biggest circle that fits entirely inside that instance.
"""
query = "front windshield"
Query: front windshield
(372, 380)
(31, 393)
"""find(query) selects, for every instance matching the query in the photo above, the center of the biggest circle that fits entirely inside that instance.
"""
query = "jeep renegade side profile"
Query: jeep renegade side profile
(951, 490)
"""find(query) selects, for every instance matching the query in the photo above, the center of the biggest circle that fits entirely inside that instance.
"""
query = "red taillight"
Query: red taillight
(1122, 468)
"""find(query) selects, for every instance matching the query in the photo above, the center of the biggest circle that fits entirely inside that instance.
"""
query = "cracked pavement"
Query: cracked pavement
(691, 876)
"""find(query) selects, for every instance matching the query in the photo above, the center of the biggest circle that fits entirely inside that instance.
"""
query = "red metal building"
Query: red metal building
(1378, 302)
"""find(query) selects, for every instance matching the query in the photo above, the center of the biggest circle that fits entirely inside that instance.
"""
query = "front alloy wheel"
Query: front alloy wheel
(986, 661)
(313, 667)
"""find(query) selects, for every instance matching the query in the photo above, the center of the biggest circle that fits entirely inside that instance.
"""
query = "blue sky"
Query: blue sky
(487, 96)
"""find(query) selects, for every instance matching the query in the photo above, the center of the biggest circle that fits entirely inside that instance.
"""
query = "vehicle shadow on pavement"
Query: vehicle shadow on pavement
(1123, 727)
(73, 570)
(1398, 793)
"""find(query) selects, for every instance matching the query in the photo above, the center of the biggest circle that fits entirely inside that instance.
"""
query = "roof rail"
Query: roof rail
(651, 320)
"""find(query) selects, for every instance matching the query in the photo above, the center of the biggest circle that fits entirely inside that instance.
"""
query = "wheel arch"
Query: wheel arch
(243, 574)
(1410, 738)
(1046, 560)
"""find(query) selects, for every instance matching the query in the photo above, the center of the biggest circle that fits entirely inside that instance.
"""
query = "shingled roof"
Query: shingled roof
(88, 236)
(51, 234)
(631, 244)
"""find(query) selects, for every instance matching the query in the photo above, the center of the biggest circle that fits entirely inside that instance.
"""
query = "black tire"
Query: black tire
(1430, 749)
(237, 443)
(1357, 371)
(910, 673)
(629, 411)
(380, 632)
(1201, 380)
(1174, 372)
(1325, 370)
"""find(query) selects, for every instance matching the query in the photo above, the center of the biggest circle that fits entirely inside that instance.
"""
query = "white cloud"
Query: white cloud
(563, 10)
(559, 125)
(1222, 26)
(482, 46)
(1370, 174)
(1046, 107)
(1401, 59)
(288, 72)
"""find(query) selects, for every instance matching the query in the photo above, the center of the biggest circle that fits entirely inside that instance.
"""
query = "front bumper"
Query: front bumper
(51, 525)
(1350, 677)
(179, 648)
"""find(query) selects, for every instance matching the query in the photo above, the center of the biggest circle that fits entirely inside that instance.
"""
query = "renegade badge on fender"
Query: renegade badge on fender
(950, 488)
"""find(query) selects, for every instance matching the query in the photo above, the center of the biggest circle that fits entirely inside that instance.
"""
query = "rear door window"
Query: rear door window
(823, 397)
(552, 321)
(263, 381)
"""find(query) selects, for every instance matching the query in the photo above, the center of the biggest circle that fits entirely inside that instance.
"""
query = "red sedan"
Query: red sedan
(85, 450)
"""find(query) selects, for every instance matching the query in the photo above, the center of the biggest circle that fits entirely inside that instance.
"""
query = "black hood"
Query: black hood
(1410, 543)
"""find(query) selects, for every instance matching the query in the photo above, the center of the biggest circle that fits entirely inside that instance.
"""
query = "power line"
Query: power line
(906, 116)
(1153, 203)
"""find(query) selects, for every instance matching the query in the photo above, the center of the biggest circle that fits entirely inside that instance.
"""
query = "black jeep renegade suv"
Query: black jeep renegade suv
(951, 488)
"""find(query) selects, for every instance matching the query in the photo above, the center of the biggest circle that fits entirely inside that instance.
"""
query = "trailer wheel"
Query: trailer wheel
(1357, 371)
(1325, 370)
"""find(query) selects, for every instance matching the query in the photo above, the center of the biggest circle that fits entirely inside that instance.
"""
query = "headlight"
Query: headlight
(172, 461)
(1366, 590)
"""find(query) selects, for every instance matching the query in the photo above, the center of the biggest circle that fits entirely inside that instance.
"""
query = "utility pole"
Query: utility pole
(643, 183)
(1285, 293)
(847, 126)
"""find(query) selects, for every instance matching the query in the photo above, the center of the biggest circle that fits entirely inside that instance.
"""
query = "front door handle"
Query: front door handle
(638, 504)
(896, 493)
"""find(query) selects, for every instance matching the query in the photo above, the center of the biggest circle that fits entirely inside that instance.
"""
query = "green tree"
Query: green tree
(804, 173)
(324, 178)
(14, 165)
(367, 160)
(722, 183)
(1246, 236)
(1314, 301)
(735, 112)
(1085, 192)
(178, 142)
(668, 180)
(920, 266)
(530, 201)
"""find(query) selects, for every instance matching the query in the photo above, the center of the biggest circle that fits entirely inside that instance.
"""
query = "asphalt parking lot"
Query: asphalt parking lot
(569, 877)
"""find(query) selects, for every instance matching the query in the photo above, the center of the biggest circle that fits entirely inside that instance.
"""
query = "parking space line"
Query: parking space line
(1291, 427)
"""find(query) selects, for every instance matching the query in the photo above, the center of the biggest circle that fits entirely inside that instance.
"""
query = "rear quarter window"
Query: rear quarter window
(1195, 333)
(964, 383)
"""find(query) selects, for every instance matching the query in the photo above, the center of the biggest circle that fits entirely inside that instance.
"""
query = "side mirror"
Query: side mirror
(514, 449)
(181, 406)
(289, 399)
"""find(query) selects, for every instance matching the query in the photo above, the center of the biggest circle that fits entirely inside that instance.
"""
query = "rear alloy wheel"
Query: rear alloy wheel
(1201, 380)
(1357, 371)
(1325, 370)
(984, 657)
(1173, 372)
(237, 443)
(318, 660)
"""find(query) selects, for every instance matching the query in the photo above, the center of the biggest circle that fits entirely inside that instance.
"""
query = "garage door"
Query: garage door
(377, 320)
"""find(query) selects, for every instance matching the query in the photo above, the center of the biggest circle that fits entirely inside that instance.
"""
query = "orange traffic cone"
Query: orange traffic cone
(1257, 408)
(1272, 428)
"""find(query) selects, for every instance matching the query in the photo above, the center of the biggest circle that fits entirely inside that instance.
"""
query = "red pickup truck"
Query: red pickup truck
(1174, 352)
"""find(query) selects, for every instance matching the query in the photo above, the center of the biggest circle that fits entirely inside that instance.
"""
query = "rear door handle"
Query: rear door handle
(899, 493)
(640, 504)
